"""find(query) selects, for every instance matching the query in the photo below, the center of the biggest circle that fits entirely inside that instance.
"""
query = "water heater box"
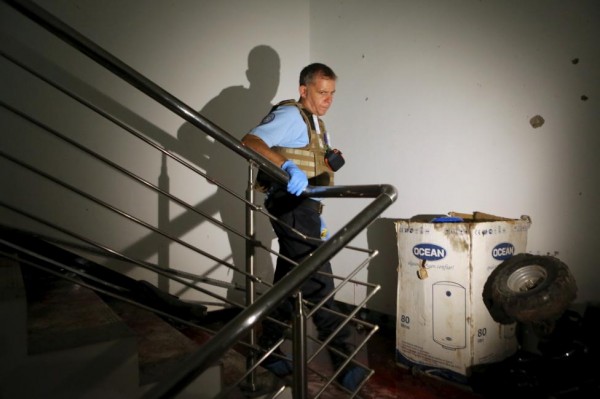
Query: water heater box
(442, 322)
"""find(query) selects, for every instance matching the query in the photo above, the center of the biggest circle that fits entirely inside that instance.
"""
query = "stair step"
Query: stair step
(77, 343)
(161, 347)
(65, 315)
(76, 346)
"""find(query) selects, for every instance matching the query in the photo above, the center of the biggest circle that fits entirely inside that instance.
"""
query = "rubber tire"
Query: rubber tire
(509, 299)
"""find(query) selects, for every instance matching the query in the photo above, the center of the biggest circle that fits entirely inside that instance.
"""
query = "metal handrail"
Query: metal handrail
(265, 304)
(154, 91)
(384, 195)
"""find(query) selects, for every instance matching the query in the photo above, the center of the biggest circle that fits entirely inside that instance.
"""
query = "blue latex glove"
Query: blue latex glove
(298, 180)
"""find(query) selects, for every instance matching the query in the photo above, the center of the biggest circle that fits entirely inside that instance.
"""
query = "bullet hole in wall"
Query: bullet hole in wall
(536, 121)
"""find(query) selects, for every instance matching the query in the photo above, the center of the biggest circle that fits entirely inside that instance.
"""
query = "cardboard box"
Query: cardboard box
(445, 260)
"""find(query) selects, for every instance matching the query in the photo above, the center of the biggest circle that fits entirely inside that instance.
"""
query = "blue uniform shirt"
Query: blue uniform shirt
(283, 127)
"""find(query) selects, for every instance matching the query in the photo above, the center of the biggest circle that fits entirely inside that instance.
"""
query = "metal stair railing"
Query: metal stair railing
(155, 268)
(238, 328)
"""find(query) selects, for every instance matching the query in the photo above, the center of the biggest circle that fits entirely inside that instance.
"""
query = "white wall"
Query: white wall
(434, 97)
(196, 50)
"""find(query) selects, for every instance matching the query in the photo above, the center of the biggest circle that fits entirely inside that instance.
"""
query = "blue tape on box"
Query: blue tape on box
(447, 219)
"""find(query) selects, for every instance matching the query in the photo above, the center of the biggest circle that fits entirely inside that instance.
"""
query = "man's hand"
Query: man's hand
(298, 180)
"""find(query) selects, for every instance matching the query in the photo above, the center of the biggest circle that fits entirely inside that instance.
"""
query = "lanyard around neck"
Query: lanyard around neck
(318, 130)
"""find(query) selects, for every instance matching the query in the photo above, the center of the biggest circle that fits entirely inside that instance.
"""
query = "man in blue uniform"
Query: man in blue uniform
(293, 137)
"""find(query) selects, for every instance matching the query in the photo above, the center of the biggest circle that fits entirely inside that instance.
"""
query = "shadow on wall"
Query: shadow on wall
(383, 269)
(236, 110)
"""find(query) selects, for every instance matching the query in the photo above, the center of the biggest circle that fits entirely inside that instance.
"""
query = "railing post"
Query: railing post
(250, 287)
(164, 220)
(299, 390)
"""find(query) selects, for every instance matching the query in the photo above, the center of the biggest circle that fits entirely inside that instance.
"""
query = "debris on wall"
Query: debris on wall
(536, 121)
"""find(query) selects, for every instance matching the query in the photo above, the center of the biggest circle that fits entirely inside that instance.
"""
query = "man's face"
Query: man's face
(318, 95)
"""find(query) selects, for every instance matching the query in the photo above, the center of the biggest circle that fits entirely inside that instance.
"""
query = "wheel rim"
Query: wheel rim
(526, 278)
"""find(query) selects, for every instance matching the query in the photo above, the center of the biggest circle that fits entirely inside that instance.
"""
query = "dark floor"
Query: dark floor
(395, 381)
(390, 379)
(566, 373)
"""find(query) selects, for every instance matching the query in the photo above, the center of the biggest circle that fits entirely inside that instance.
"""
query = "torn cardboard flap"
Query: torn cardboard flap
(466, 217)
(485, 217)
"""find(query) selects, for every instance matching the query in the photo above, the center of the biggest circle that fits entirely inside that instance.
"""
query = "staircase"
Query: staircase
(61, 339)
(65, 341)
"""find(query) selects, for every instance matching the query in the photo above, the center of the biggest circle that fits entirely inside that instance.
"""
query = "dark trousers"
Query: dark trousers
(304, 217)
